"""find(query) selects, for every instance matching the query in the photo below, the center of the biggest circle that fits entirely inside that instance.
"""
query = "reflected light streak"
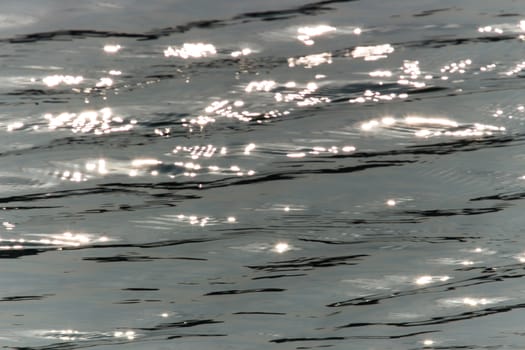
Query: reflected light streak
(436, 121)
(104, 82)
(472, 301)
(391, 203)
(145, 162)
(99, 122)
(264, 85)
(281, 247)
(423, 280)
(112, 48)
(15, 126)
(66, 239)
(428, 342)
(243, 52)
(130, 335)
(296, 155)
(54, 80)
(305, 34)
(311, 60)
(249, 148)
(191, 50)
(372, 53)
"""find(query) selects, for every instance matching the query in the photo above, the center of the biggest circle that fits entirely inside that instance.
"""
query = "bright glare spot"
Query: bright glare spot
(243, 52)
(415, 120)
(112, 48)
(115, 72)
(264, 85)
(286, 208)
(358, 31)
(54, 80)
(191, 50)
(369, 125)
(145, 162)
(104, 82)
(8, 226)
(428, 342)
(296, 155)
(102, 166)
(231, 219)
(474, 301)
(391, 202)
(305, 34)
(311, 86)
(424, 280)
(15, 126)
(130, 335)
(249, 148)
(311, 60)
(380, 74)
(281, 247)
(372, 53)
(388, 121)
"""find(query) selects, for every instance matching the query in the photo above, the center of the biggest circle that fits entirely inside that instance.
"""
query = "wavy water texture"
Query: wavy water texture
(295, 175)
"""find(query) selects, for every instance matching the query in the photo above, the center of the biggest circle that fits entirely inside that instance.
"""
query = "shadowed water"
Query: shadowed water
(248, 175)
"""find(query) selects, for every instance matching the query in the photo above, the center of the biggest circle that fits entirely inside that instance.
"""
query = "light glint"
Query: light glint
(305, 34)
(372, 53)
(112, 48)
(281, 247)
(191, 50)
(249, 148)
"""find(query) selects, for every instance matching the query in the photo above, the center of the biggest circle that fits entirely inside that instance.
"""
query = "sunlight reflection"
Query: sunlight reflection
(15, 126)
(428, 342)
(98, 122)
(64, 240)
(281, 247)
(372, 53)
(311, 60)
(65, 334)
(264, 85)
(249, 148)
(472, 301)
(145, 162)
(305, 34)
(376, 96)
(243, 52)
(426, 127)
(423, 280)
(104, 82)
(54, 80)
(130, 335)
(112, 48)
(259, 247)
(191, 50)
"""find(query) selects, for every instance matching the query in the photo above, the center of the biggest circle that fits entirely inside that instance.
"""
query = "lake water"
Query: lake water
(262, 174)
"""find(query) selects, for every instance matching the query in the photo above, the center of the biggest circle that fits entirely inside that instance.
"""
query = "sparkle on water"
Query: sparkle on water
(381, 161)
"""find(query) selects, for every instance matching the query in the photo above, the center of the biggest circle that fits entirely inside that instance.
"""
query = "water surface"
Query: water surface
(247, 175)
